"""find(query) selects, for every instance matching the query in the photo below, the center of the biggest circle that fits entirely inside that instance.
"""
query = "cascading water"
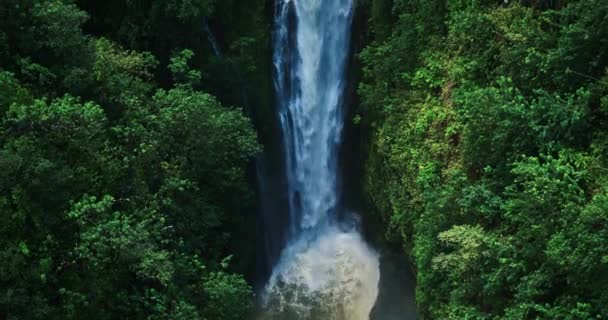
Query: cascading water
(326, 270)
(211, 38)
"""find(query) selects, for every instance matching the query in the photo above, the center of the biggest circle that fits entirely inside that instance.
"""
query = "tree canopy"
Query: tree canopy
(487, 152)
(123, 180)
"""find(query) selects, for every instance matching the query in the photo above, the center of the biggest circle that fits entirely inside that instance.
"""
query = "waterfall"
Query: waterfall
(326, 271)
(211, 38)
(234, 70)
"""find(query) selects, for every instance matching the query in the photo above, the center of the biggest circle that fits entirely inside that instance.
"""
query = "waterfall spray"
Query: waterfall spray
(326, 270)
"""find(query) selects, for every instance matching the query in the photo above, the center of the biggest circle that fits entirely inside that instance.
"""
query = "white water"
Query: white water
(326, 271)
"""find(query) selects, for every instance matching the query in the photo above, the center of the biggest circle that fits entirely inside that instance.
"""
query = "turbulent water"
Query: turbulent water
(326, 270)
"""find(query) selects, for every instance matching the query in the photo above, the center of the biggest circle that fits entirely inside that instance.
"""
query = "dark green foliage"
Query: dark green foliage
(487, 150)
(11, 91)
(122, 179)
(121, 187)
(46, 44)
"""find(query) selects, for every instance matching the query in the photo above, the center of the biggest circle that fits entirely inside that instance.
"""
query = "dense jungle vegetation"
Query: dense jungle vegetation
(127, 139)
(123, 189)
(488, 152)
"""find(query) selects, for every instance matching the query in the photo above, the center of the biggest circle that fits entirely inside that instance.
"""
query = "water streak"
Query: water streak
(211, 38)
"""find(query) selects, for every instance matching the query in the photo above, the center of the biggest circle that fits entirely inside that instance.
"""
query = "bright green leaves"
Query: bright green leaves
(496, 126)
(64, 120)
(182, 74)
(500, 123)
(187, 116)
(168, 171)
(121, 76)
(132, 236)
(51, 146)
(486, 153)
(49, 155)
(523, 43)
(119, 200)
(548, 179)
(580, 249)
(88, 208)
(431, 75)
(229, 296)
(23, 248)
(128, 240)
(472, 254)
(41, 135)
(471, 246)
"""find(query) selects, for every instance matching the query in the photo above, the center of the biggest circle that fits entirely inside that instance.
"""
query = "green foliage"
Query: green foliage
(229, 296)
(11, 92)
(486, 147)
(121, 75)
(181, 71)
(49, 156)
(58, 28)
(119, 200)
(47, 44)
